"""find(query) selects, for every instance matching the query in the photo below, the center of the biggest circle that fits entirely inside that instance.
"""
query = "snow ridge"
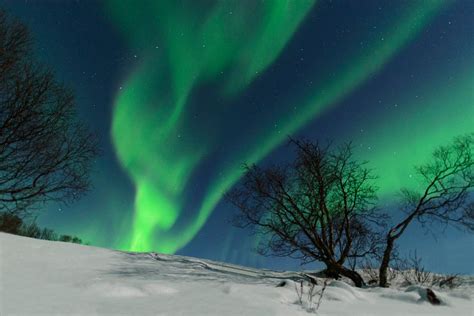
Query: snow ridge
(39, 277)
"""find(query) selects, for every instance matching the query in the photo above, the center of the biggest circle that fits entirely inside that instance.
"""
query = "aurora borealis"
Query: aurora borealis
(197, 49)
(200, 87)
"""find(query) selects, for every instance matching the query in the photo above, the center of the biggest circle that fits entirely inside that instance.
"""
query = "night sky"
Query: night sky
(182, 93)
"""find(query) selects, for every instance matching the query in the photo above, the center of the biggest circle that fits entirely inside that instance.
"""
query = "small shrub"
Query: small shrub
(13, 224)
(370, 271)
(76, 240)
(310, 303)
(299, 293)
(313, 293)
(48, 234)
(30, 230)
(10, 223)
(414, 272)
(447, 281)
(65, 238)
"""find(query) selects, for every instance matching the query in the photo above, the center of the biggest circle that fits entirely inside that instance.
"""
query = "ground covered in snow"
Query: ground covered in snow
(40, 277)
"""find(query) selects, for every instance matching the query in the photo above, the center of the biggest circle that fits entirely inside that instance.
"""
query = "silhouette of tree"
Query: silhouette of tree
(446, 181)
(320, 207)
(45, 153)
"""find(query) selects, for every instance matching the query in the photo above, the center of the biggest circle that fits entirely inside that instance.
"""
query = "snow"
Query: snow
(39, 277)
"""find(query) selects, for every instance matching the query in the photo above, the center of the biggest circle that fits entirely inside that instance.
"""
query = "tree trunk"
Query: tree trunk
(383, 282)
(354, 276)
(336, 270)
(332, 272)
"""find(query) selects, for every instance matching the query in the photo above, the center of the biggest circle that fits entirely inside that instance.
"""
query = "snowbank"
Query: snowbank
(40, 277)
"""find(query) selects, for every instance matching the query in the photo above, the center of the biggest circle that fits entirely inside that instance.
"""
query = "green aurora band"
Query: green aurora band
(198, 48)
(183, 47)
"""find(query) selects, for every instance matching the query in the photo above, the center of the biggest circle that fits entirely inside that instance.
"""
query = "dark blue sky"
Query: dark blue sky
(373, 72)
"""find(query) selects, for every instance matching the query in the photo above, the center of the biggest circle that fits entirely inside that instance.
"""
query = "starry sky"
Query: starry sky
(182, 93)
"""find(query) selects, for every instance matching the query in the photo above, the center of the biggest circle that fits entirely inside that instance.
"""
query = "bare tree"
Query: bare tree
(446, 181)
(318, 208)
(45, 153)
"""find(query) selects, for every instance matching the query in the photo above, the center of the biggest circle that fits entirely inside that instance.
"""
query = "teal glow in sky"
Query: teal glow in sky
(184, 92)
(150, 128)
(228, 44)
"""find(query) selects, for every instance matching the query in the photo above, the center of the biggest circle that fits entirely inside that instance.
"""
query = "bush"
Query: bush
(48, 234)
(310, 304)
(450, 281)
(415, 273)
(65, 238)
(30, 230)
(76, 240)
(13, 224)
(10, 223)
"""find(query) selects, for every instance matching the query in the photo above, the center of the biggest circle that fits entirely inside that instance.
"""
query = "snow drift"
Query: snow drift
(40, 277)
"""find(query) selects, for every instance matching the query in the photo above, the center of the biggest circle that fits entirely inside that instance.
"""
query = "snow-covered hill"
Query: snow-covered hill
(40, 277)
